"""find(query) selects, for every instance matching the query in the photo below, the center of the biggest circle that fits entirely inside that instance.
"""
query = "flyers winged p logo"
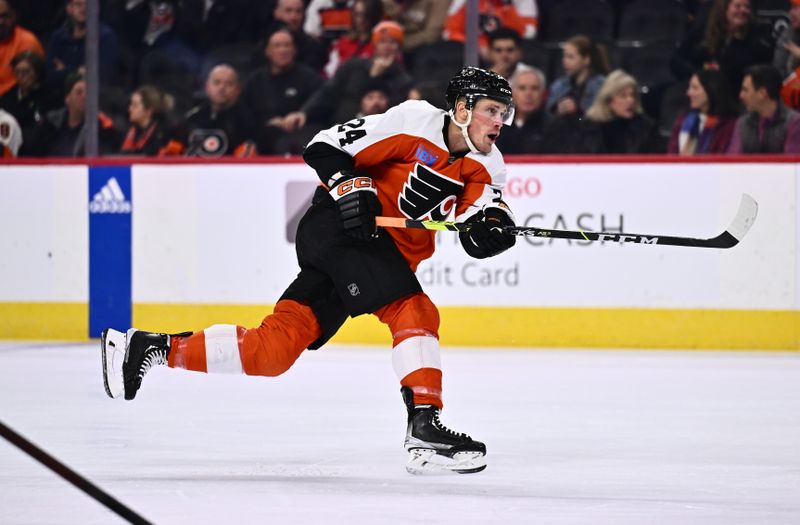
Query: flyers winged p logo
(428, 194)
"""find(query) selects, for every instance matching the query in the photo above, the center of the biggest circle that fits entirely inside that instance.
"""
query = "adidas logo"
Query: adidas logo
(110, 199)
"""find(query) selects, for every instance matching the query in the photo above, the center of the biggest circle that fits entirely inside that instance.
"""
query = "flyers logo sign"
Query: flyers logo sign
(427, 194)
(207, 143)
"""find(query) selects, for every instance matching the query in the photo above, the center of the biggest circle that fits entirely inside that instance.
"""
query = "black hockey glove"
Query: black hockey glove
(485, 237)
(357, 201)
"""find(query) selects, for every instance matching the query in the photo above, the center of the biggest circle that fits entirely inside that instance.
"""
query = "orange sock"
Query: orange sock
(268, 350)
(414, 322)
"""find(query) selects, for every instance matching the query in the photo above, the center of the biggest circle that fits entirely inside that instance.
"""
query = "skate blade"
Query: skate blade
(425, 461)
(112, 344)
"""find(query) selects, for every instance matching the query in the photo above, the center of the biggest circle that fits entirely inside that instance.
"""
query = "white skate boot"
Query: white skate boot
(128, 357)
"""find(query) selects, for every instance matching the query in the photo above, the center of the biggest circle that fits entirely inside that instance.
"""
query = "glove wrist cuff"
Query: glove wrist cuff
(338, 177)
(499, 208)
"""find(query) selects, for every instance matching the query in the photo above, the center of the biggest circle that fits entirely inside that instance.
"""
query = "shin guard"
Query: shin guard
(414, 322)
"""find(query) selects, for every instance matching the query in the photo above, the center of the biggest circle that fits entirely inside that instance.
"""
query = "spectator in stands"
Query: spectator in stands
(585, 67)
(616, 123)
(356, 43)
(310, 50)
(787, 48)
(10, 135)
(698, 11)
(422, 20)
(374, 101)
(28, 101)
(153, 49)
(64, 133)
(521, 16)
(279, 88)
(208, 24)
(768, 126)
(66, 51)
(787, 58)
(13, 41)
(221, 125)
(730, 42)
(505, 54)
(40, 17)
(149, 134)
(165, 53)
(132, 20)
(707, 127)
(327, 20)
(430, 92)
(340, 96)
(527, 132)
(127, 19)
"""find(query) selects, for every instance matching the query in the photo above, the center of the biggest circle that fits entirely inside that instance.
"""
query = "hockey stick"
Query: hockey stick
(748, 209)
(73, 477)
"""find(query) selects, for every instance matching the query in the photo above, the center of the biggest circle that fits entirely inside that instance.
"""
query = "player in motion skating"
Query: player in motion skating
(414, 161)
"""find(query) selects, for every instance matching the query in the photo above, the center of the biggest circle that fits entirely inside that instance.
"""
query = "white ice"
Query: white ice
(573, 436)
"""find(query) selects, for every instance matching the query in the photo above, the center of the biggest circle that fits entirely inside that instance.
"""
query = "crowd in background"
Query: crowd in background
(260, 77)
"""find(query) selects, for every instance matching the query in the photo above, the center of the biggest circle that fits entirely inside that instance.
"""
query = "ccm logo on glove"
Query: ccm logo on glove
(357, 183)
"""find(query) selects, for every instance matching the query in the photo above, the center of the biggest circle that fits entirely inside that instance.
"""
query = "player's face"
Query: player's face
(794, 16)
(623, 103)
(698, 98)
(487, 119)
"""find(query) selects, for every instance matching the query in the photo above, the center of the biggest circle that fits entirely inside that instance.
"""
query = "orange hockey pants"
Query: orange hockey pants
(274, 346)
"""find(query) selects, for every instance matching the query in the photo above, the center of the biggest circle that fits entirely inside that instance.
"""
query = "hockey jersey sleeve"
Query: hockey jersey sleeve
(357, 134)
(484, 186)
(374, 139)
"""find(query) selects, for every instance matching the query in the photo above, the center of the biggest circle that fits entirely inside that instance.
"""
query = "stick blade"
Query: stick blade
(745, 217)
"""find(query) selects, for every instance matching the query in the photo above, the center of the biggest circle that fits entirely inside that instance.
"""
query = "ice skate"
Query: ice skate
(128, 357)
(434, 448)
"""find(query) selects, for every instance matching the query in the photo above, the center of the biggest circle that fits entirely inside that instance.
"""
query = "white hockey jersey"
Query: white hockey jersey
(405, 153)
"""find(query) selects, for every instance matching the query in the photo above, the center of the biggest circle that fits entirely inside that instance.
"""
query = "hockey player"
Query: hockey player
(414, 161)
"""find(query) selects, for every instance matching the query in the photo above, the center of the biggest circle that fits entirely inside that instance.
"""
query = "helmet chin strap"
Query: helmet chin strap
(463, 128)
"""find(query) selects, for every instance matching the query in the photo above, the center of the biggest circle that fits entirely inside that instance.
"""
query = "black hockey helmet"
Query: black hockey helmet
(473, 83)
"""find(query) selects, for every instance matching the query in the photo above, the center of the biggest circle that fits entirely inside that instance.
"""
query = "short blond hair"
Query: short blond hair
(614, 84)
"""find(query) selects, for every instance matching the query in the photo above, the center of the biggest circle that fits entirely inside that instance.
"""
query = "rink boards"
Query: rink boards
(183, 246)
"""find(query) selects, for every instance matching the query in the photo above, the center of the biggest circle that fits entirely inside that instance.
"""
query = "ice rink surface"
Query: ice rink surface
(573, 437)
